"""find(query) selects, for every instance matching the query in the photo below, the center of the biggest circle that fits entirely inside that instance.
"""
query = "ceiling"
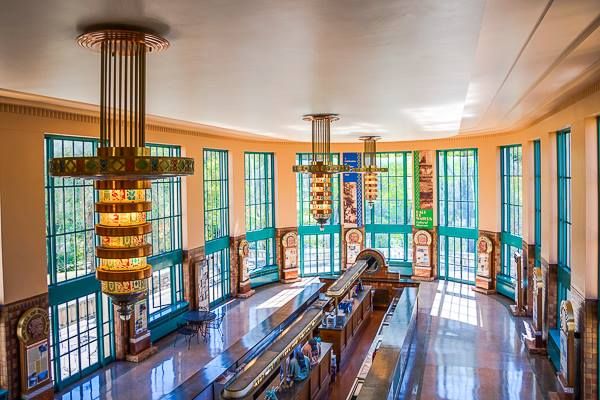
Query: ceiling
(403, 69)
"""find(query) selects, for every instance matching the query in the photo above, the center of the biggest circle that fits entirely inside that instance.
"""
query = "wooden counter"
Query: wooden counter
(386, 374)
(316, 386)
(341, 337)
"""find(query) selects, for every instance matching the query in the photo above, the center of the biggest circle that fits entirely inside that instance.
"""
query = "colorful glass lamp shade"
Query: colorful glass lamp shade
(123, 168)
(369, 168)
(321, 168)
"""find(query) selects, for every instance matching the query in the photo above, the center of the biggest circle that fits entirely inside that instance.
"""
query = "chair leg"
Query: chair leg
(175, 341)
(189, 340)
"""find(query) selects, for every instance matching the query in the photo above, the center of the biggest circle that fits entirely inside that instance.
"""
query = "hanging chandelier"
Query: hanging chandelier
(123, 167)
(369, 168)
(321, 168)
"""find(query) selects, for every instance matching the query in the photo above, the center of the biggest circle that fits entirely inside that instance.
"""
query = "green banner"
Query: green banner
(423, 189)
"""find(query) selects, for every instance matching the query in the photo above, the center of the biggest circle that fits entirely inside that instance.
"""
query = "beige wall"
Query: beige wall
(22, 228)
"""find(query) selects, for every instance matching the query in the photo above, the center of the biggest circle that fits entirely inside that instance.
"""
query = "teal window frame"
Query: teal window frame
(320, 249)
(216, 223)
(167, 247)
(564, 235)
(537, 184)
(511, 241)
(457, 235)
(75, 300)
(388, 222)
(563, 157)
(259, 196)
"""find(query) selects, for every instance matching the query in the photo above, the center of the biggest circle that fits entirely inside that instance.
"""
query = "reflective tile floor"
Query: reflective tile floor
(469, 347)
(173, 365)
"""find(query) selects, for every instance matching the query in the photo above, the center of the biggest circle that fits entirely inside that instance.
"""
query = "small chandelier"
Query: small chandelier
(321, 169)
(369, 168)
(123, 168)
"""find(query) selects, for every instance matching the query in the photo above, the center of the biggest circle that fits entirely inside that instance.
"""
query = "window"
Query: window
(537, 183)
(457, 214)
(216, 223)
(388, 223)
(81, 318)
(563, 167)
(511, 158)
(69, 215)
(165, 294)
(260, 226)
(320, 250)
(563, 139)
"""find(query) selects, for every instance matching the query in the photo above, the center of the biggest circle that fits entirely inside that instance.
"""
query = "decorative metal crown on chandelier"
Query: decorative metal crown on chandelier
(321, 169)
(123, 168)
(369, 168)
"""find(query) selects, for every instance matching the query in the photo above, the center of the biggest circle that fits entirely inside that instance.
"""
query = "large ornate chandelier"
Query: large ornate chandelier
(369, 168)
(321, 168)
(123, 167)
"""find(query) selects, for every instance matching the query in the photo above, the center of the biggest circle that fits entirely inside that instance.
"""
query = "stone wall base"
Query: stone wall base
(10, 378)
(143, 355)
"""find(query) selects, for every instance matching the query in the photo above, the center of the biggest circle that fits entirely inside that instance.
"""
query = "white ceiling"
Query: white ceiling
(404, 69)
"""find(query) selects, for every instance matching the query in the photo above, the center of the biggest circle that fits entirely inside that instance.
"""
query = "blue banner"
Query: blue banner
(352, 192)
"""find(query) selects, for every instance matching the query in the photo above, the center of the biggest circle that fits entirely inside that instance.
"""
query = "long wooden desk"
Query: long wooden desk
(342, 336)
(316, 386)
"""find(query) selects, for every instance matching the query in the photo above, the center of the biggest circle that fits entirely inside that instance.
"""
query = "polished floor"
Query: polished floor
(468, 346)
(173, 365)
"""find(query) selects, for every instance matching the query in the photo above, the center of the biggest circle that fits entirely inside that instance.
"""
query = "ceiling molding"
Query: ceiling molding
(65, 110)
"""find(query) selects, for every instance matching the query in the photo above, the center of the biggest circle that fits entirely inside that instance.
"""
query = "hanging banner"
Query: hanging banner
(423, 188)
(352, 192)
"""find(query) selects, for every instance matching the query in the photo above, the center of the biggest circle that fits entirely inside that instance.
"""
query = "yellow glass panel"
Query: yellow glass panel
(124, 263)
(122, 195)
(122, 219)
(122, 241)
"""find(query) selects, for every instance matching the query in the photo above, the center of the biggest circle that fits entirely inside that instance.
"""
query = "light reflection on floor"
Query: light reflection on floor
(468, 347)
(279, 299)
(456, 302)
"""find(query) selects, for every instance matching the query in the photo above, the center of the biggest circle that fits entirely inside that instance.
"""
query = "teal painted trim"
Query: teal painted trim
(464, 233)
(72, 289)
(60, 385)
(167, 322)
(316, 230)
(403, 268)
(515, 241)
(216, 245)
(554, 348)
(537, 173)
(166, 260)
(264, 279)
(563, 167)
(505, 286)
(263, 234)
(383, 228)
(264, 271)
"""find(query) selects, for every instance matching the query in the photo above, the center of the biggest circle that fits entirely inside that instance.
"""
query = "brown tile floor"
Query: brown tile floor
(469, 347)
